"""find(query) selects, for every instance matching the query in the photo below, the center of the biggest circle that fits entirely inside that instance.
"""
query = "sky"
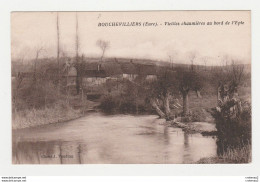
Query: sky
(33, 30)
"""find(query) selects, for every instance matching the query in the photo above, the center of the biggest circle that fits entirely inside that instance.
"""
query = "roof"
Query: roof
(128, 68)
(109, 68)
(145, 69)
(92, 66)
(94, 73)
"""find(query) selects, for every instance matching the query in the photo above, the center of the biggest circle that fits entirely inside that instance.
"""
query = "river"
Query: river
(113, 139)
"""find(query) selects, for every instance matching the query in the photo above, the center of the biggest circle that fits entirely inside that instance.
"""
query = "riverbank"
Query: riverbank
(240, 155)
(37, 117)
(204, 128)
(60, 112)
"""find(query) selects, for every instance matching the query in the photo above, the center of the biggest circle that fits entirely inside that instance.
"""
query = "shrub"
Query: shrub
(108, 104)
(234, 131)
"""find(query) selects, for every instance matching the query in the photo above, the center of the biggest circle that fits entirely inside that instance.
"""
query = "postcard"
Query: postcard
(131, 87)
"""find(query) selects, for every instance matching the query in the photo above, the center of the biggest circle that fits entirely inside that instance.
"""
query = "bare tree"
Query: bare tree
(103, 45)
(237, 74)
(170, 60)
(172, 57)
(187, 81)
(224, 60)
(163, 89)
(77, 56)
(228, 81)
(155, 105)
(205, 60)
(38, 51)
(192, 57)
(229, 105)
(58, 50)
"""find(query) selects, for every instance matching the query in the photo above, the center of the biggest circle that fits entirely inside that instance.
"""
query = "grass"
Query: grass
(240, 155)
(35, 117)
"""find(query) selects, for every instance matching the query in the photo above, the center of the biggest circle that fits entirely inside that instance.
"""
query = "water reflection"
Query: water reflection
(186, 153)
(109, 139)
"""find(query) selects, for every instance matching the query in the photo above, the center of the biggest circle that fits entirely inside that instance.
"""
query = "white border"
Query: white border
(6, 168)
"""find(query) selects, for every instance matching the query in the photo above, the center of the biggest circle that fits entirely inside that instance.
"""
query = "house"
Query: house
(129, 70)
(94, 77)
(93, 74)
(112, 69)
(147, 72)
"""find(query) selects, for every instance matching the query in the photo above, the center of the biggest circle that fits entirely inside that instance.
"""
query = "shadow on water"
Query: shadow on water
(119, 139)
(47, 152)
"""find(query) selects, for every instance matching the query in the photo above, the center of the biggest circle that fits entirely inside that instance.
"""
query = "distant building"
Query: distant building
(146, 71)
(129, 70)
(94, 77)
(94, 74)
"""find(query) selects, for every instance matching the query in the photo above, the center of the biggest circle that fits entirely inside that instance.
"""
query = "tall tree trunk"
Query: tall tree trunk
(58, 51)
(167, 106)
(219, 99)
(136, 108)
(198, 94)
(185, 103)
(156, 107)
(77, 56)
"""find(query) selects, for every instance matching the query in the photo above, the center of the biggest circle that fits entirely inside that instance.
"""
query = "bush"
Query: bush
(240, 154)
(108, 104)
(127, 98)
(233, 131)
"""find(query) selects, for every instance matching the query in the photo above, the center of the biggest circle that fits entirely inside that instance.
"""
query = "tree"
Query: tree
(205, 60)
(192, 57)
(77, 57)
(58, 49)
(227, 80)
(162, 90)
(188, 80)
(103, 45)
(172, 57)
(225, 59)
(185, 84)
(198, 84)
(38, 51)
(232, 115)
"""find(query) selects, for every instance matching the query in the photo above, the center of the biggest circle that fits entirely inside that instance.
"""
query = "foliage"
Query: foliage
(234, 129)
(128, 98)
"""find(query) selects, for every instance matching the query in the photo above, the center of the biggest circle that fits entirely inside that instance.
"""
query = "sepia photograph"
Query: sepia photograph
(131, 87)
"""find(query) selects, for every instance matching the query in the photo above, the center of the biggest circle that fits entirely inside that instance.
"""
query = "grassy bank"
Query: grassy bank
(231, 156)
(35, 117)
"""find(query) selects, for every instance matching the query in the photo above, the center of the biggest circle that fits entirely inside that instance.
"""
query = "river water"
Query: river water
(117, 139)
